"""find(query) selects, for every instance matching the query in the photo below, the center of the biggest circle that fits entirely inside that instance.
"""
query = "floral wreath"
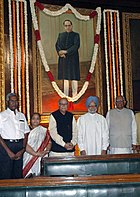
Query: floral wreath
(40, 47)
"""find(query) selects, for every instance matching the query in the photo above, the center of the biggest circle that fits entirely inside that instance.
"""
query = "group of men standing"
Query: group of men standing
(94, 133)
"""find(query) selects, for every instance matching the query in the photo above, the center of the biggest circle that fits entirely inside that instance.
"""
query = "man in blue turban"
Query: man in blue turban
(90, 99)
(93, 133)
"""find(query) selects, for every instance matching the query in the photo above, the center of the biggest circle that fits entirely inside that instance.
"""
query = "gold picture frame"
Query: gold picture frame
(127, 20)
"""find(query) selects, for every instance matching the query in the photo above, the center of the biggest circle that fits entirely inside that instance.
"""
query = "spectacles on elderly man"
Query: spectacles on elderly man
(63, 103)
(92, 106)
(119, 101)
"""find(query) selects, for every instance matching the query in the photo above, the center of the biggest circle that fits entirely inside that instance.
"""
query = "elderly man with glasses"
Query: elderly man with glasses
(93, 133)
(63, 130)
(122, 128)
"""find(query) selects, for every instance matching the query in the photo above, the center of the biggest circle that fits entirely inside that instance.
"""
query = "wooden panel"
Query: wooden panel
(115, 185)
(91, 165)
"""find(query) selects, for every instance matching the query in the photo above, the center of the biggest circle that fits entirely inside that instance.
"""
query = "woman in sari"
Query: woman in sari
(38, 146)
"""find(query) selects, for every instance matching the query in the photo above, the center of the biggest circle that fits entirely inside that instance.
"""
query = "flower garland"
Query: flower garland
(26, 61)
(11, 47)
(42, 55)
(14, 45)
(106, 60)
(120, 59)
(21, 55)
(112, 54)
(116, 53)
(18, 55)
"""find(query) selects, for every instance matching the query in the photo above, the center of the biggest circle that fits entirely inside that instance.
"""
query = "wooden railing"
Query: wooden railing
(91, 165)
(103, 185)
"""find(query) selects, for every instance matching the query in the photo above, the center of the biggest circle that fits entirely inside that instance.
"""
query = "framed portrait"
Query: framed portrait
(50, 27)
(131, 39)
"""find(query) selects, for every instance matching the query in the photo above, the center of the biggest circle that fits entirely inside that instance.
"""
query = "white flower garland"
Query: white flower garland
(18, 55)
(11, 47)
(26, 60)
(43, 58)
(106, 60)
(64, 9)
(113, 55)
(120, 58)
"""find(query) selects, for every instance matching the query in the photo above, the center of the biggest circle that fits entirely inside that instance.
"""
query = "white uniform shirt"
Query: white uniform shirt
(13, 126)
(93, 133)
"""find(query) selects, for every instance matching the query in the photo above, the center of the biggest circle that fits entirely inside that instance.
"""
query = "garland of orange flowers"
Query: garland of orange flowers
(22, 58)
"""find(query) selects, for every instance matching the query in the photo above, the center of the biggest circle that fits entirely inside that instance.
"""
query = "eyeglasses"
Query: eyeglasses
(63, 103)
(119, 101)
(92, 106)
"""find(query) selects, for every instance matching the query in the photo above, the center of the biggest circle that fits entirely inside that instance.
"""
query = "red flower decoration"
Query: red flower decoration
(96, 39)
(88, 76)
(37, 34)
(70, 106)
(92, 14)
(50, 76)
(39, 5)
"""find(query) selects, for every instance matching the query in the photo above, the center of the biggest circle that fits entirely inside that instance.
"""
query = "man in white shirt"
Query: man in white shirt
(93, 133)
(13, 139)
(63, 131)
(122, 128)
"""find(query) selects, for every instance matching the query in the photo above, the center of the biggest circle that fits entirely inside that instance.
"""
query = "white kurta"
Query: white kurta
(56, 137)
(93, 133)
(35, 139)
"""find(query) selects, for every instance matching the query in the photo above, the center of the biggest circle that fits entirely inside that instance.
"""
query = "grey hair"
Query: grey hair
(61, 100)
(121, 96)
(9, 95)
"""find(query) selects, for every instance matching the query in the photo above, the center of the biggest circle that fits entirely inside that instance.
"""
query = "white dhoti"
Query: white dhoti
(120, 150)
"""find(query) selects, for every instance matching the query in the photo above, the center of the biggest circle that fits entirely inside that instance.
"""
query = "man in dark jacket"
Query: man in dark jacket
(63, 130)
(67, 46)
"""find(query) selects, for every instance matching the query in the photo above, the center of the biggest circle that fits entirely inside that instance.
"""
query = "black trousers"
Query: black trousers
(11, 169)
